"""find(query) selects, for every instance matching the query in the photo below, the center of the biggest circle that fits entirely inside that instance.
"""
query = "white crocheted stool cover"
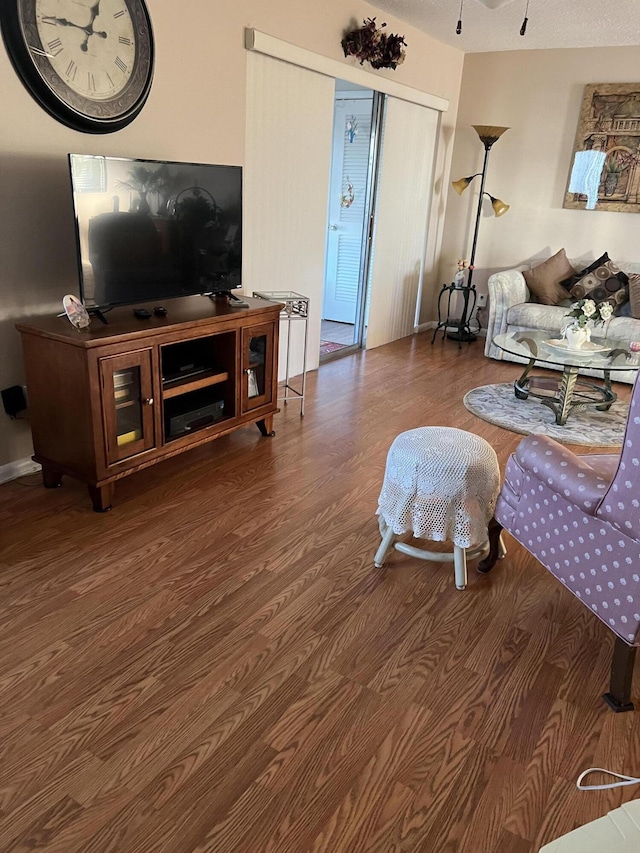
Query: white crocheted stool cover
(440, 483)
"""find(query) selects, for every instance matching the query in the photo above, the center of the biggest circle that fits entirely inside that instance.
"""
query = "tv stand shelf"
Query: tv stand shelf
(100, 408)
(174, 387)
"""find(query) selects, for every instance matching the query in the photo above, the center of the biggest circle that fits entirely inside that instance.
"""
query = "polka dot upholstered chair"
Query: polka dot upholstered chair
(580, 517)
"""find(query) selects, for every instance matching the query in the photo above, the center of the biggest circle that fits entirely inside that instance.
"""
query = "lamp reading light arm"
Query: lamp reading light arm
(462, 183)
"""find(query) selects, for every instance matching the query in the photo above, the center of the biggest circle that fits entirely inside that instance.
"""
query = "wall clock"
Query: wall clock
(89, 63)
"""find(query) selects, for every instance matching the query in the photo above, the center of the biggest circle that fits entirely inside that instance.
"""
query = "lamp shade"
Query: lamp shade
(489, 133)
(461, 184)
(499, 206)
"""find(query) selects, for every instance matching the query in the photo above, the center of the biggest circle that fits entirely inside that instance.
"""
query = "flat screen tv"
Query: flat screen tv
(149, 230)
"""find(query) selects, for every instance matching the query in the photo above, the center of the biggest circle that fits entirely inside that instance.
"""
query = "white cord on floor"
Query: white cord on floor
(625, 780)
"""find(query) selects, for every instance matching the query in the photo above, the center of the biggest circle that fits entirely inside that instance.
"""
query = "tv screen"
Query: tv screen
(149, 230)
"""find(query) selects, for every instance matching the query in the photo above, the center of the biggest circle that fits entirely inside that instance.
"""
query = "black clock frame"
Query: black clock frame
(69, 107)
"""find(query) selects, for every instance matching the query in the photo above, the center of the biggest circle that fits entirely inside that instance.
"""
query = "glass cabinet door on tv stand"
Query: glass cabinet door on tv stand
(257, 355)
(127, 391)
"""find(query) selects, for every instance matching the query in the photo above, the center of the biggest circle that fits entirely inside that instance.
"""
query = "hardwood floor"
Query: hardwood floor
(216, 665)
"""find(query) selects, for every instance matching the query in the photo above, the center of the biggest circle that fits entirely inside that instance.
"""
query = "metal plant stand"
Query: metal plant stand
(456, 328)
(295, 307)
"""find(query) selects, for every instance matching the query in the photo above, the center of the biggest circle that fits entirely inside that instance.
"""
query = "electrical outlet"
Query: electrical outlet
(482, 300)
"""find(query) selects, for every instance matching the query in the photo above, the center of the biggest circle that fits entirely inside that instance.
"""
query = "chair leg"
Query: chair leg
(495, 547)
(619, 696)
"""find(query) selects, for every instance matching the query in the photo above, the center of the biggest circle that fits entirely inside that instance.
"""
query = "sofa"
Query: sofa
(514, 307)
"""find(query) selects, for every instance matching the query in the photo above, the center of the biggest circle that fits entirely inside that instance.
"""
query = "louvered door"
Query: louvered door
(347, 205)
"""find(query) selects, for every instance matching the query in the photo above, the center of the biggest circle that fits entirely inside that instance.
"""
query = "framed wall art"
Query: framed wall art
(605, 166)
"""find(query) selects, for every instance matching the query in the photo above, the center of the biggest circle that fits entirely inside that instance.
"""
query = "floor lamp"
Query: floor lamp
(488, 135)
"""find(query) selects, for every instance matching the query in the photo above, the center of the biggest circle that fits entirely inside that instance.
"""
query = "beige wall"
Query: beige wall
(196, 111)
(537, 94)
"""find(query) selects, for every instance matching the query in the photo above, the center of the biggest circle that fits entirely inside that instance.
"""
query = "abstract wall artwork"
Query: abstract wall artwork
(605, 167)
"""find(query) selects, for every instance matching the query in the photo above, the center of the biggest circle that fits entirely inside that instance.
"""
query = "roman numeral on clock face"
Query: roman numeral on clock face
(72, 70)
(124, 40)
(55, 46)
(119, 14)
(121, 65)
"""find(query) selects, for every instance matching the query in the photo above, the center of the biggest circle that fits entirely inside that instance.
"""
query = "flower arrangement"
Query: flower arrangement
(463, 264)
(586, 311)
(368, 43)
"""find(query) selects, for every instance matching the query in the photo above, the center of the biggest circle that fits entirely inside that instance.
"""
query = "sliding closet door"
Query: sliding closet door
(286, 179)
(405, 189)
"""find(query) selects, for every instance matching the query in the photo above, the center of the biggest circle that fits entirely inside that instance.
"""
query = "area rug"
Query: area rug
(499, 405)
(330, 346)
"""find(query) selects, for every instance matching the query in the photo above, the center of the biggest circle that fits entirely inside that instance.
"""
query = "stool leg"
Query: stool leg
(385, 545)
(460, 566)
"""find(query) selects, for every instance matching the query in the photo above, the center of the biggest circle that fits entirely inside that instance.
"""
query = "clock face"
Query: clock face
(88, 62)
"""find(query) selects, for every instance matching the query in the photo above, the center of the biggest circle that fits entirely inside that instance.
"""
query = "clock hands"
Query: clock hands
(64, 23)
(88, 30)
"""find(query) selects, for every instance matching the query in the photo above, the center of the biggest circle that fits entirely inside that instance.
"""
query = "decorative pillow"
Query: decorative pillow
(544, 280)
(602, 281)
(624, 310)
(634, 295)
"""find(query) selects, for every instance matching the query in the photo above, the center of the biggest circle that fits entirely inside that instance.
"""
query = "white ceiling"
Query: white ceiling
(552, 23)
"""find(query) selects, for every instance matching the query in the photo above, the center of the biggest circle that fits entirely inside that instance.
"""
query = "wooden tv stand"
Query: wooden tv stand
(113, 399)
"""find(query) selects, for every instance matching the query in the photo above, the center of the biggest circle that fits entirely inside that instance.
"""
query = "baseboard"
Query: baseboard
(19, 468)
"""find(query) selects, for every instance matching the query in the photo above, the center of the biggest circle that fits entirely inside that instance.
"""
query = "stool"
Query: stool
(441, 484)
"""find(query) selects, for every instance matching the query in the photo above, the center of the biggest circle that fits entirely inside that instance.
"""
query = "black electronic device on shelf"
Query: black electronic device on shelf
(149, 230)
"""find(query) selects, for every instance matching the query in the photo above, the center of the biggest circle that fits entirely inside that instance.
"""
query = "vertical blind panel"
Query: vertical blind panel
(402, 209)
(287, 164)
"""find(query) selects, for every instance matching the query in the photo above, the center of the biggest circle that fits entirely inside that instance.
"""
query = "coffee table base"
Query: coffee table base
(572, 393)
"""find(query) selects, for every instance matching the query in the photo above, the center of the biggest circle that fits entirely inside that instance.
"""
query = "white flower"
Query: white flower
(589, 308)
(605, 309)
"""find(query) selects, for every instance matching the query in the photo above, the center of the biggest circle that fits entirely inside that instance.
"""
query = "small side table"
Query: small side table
(456, 328)
(296, 307)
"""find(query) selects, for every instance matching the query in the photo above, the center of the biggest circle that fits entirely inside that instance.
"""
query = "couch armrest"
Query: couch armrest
(506, 289)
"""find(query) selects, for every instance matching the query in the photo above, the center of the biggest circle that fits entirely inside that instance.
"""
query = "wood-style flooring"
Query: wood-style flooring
(216, 666)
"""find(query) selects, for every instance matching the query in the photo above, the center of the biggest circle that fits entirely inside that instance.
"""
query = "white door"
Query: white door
(287, 167)
(347, 204)
(405, 190)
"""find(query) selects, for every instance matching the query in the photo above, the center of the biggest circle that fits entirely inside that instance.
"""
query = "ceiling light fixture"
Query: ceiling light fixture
(495, 4)
(523, 28)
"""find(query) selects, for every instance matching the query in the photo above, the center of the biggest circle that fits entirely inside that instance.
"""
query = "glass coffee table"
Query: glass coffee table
(570, 392)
